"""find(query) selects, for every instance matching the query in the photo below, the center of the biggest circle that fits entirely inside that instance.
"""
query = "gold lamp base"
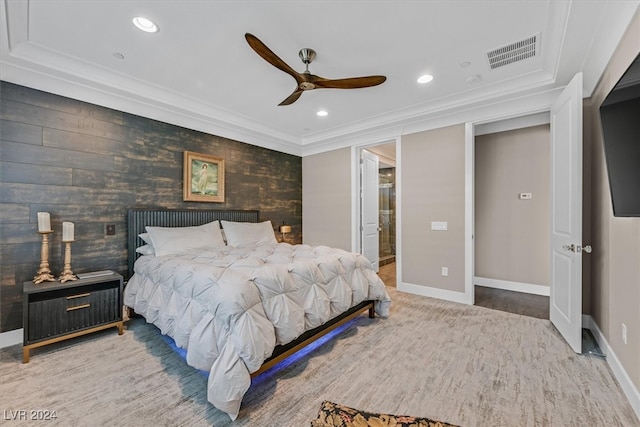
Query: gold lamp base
(43, 276)
(67, 274)
(44, 273)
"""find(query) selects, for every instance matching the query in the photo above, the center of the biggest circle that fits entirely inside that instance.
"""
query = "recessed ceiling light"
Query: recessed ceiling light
(145, 24)
(322, 113)
(425, 78)
(473, 79)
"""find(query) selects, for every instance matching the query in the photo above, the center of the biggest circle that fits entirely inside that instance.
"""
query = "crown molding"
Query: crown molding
(26, 63)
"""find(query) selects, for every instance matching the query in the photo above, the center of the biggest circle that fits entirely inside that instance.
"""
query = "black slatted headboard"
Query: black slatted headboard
(137, 219)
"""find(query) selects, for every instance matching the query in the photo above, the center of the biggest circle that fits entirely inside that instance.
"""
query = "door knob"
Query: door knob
(577, 248)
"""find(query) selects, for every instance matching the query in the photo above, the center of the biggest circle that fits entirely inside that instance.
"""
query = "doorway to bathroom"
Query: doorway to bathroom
(386, 210)
(387, 214)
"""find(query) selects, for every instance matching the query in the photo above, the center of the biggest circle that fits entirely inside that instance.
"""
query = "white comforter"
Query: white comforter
(230, 308)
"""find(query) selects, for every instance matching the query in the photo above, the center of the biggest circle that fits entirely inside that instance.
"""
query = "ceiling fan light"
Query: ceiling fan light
(144, 24)
(426, 78)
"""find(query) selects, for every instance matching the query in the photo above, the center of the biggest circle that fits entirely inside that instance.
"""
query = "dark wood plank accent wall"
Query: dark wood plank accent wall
(88, 164)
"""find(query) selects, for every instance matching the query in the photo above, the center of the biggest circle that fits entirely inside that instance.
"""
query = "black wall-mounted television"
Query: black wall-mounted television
(620, 117)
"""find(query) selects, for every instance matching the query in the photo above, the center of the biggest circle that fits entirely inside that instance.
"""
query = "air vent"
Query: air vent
(514, 52)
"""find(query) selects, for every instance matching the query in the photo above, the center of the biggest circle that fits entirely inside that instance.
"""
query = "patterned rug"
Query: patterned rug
(334, 415)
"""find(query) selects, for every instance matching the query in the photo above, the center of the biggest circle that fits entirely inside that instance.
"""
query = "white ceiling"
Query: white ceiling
(199, 72)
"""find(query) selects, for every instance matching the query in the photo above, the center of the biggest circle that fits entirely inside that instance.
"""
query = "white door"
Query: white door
(566, 214)
(369, 206)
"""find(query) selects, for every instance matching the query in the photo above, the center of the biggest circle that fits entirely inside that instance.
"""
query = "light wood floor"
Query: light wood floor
(388, 274)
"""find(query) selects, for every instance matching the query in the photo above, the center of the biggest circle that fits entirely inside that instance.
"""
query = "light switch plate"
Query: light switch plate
(439, 225)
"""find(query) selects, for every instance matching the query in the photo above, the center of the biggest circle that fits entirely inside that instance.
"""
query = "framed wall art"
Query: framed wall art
(203, 178)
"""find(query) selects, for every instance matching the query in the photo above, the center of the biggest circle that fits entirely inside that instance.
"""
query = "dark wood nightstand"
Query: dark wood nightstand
(54, 311)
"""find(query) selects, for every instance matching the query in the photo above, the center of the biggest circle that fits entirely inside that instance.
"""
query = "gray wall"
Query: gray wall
(511, 236)
(615, 261)
(432, 189)
(432, 186)
(89, 164)
(327, 199)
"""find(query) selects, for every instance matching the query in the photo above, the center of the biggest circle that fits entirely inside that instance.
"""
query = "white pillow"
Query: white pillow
(241, 234)
(177, 240)
(146, 250)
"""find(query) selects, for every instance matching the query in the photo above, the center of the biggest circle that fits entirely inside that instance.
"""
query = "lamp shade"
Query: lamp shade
(284, 228)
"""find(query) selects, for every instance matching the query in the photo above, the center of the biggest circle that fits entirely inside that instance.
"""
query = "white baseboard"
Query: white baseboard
(507, 285)
(9, 338)
(629, 389)
(427, 291)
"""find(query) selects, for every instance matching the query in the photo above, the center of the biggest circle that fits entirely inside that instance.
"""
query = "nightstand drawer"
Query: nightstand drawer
(54, 311)
(67, 310)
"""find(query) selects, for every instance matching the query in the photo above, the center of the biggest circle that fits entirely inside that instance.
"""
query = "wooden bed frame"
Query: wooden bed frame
(137, 219)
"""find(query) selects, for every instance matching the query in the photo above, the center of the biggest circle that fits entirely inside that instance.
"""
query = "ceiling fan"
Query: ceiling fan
(306, 80)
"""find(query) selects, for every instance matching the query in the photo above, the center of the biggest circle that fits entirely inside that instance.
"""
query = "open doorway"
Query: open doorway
(387, 214)
(385, 210)
(512, 222)
(565, 213)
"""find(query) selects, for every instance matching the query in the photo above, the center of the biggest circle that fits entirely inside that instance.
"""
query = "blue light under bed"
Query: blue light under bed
(286, 362)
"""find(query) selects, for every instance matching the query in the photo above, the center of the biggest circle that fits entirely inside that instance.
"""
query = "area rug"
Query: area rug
(334, 415)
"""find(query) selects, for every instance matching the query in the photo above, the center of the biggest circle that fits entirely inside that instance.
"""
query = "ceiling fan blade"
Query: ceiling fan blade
(349, 83)
(292, 98)
(266, 53)
(306, 80)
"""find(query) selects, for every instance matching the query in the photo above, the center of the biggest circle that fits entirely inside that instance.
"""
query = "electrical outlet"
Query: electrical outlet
(110, 229)
(445, 271)
(624, 333)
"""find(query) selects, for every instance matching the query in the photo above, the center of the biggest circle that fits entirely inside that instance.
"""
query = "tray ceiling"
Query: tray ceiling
(198, 71)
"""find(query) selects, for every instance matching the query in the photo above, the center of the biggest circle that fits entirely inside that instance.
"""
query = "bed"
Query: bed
(221, 286)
